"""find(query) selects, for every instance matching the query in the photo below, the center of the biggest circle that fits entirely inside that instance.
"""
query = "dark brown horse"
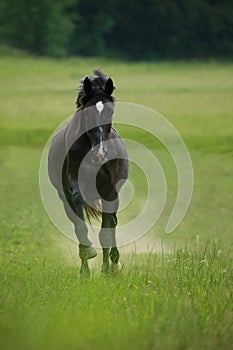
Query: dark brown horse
(88, 165)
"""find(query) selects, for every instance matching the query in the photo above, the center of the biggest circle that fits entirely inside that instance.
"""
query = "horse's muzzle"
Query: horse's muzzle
(100, 156)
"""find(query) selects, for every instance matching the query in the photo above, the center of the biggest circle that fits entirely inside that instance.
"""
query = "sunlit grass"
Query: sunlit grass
(156, 299)
(40, 93)
(174, 291)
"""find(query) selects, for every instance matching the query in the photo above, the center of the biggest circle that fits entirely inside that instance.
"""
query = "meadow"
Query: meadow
(174, 291)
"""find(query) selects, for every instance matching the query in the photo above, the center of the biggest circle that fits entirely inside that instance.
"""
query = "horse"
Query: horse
(89, 145)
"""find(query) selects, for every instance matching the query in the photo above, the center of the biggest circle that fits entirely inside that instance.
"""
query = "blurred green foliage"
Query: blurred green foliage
(138, 29)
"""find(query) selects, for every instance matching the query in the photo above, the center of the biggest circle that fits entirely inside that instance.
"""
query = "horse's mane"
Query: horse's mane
(98, 83)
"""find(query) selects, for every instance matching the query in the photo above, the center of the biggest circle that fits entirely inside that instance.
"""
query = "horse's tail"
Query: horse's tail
(93, 211)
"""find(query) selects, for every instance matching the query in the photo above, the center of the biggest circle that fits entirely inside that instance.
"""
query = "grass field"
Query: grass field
(175, 291)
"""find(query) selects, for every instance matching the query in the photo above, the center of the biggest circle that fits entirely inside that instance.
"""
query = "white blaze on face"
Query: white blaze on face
(100, 106)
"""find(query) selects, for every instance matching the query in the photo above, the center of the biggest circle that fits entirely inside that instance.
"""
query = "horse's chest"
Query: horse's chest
(92, 179)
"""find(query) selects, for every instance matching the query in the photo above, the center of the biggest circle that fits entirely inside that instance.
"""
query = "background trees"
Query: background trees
(139, 29)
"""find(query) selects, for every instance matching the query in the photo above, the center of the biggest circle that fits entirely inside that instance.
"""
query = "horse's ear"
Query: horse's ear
(87, 85)
(109, 86)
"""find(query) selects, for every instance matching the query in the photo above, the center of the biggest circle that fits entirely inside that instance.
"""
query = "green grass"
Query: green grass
(179, 301)
(174, 291)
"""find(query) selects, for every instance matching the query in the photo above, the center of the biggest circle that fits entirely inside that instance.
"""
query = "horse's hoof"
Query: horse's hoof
(87, 253)
(116, 267)
(105, 270)
(85, 272)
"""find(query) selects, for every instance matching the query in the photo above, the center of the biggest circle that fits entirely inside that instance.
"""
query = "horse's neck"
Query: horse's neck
(75, 129)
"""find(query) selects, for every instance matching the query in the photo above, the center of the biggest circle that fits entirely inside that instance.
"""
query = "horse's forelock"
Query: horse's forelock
(98, 84)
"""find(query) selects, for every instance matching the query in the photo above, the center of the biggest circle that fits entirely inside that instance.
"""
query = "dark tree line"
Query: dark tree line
(139, 29)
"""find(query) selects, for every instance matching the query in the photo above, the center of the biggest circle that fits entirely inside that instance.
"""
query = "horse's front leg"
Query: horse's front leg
(105, 237)
(108, 240)
(114, 253)
(86, 251)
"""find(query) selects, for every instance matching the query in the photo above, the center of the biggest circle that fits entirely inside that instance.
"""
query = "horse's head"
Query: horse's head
(98, 111)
